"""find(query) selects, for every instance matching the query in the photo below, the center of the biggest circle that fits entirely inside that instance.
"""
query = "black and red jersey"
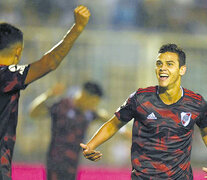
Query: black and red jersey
(69, 125)
(11, 82)
(162, 134)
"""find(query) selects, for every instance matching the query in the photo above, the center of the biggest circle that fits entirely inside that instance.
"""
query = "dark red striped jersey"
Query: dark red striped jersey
(11, 81)
(69, 126)
(162, 134)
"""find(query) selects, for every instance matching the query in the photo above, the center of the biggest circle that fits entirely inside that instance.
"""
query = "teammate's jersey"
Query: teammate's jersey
(69, 126)
(11, 81)
(162, 134)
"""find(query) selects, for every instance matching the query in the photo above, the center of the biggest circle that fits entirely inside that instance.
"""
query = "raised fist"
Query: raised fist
(82, 15)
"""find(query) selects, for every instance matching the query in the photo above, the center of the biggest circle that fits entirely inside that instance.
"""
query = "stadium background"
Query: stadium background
(117, 49)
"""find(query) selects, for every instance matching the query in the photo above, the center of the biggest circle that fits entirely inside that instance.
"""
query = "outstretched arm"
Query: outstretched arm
(53, 58)
(103, 134)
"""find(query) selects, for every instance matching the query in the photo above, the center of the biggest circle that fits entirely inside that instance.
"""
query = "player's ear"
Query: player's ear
(18, 51)
(182, 70)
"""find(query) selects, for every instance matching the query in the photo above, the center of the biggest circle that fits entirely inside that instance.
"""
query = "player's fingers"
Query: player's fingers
(204, 169)
(92, 155)
(84, 11)
(78, 8)
(81, 9)
(88, 154)
(86, 14)
(84, 146)
(96, 158)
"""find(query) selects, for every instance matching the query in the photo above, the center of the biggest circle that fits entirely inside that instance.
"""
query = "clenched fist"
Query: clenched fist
(82, 15)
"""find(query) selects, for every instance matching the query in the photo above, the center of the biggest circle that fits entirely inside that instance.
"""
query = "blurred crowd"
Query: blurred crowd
(160, 15)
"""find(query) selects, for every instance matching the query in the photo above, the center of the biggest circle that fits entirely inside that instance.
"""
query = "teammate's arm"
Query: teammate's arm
(53, 58)
(38, 107)
(103, 134)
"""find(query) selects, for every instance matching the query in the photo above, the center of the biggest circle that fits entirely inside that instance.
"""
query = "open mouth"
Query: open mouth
(163, 76)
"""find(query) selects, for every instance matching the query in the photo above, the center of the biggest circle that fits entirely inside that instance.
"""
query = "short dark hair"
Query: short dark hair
(93, 88)
(9, 35)
(175, 49)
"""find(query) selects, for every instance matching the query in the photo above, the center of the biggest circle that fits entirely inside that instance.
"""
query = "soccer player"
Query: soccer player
(14, 78)
(164, 118)
(70, 118)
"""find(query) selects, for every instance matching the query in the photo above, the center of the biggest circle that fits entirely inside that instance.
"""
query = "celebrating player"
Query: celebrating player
(14, 78)
(164, 118)
(70, 118)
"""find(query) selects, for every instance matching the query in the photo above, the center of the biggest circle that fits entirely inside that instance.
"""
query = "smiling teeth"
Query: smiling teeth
(163, 75)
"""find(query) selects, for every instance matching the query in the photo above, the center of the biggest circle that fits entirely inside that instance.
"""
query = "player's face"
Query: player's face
(93, 102)
(168, 71)
(88, 101)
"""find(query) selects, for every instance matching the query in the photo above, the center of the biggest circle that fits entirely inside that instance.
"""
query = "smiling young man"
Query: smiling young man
(164, 118)
(14, 77)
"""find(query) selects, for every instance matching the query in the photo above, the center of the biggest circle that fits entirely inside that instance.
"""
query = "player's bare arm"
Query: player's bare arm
(103, 134)
(51, 60)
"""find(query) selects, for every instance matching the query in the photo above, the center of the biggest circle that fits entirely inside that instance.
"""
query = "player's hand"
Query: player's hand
(82, 15)
(205, 170)
(90, 154)
(56, 90)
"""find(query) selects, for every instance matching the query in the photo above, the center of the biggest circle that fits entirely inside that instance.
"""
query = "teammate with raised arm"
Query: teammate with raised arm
(70, 118)
(14, 78)
(164, 118)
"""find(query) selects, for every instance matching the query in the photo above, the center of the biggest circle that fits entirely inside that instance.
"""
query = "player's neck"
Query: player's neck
(78, 102)
(170, 96)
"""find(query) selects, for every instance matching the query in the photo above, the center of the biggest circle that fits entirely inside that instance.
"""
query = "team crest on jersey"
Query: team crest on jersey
(185, 118)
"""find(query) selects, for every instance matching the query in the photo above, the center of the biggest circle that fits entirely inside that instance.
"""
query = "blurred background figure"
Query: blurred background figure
(70, 118)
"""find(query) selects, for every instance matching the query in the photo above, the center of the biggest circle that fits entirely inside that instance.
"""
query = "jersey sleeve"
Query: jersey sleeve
(202, 121)
(12, 77)
(127, 111)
